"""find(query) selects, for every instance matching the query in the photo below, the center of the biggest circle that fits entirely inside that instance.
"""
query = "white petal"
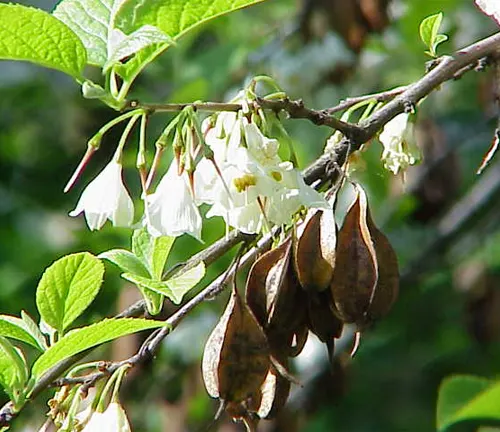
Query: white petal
(115, 419)
(264, 149)
(205, 178)
(106, 198)
(171, 210)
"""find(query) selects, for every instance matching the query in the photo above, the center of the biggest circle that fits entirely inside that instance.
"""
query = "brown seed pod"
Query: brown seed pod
(273, 394)
(388, 274)
(322, 320)
(314, 250)
(276, 299)
(366, 278)
(236, 357)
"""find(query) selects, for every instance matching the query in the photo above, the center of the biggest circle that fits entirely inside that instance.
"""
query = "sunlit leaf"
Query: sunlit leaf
(128, 45)
(173, 288)
(126, 260)
(173, 17)
(33, 35)
(81, 339)
(429, 32)
(13, 369)
(15, 328)
(67, 288)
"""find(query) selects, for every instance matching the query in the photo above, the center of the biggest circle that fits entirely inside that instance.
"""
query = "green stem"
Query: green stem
(119, 150)
(114, 122)
(120, 375)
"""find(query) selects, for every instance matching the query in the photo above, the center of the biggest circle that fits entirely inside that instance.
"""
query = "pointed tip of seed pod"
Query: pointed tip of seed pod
(81, 166)
(330, 347)
(220, 410)
(357, 340)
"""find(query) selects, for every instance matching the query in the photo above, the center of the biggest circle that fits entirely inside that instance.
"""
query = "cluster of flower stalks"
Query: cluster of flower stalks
(317, 280)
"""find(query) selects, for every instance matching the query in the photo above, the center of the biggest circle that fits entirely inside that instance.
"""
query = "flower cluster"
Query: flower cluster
(243, 180)
(240, 175)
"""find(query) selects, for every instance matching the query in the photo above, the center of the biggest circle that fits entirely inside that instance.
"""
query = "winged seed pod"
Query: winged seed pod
(274, 296)
(314, 250)
(236, 357)
(366, 278)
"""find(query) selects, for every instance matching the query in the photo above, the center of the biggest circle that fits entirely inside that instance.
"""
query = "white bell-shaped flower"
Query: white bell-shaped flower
(114, 419)
(291, 194)
(171, 210)
(106, 198)
(239, 196)
(400, 149)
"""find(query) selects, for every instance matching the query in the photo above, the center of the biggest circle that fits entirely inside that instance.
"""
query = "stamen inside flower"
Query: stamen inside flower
(244, 182)
(276, 175)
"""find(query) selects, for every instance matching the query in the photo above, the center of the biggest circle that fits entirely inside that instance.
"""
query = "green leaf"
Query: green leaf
(67, 288)
(142, 246)
(173, 17)
(126, 260)
(15, 328)
(92, 21)
(13, 369)
(464, 397)
(159, 287)
(152, 251)
(185, 281)
(125, 46)
(81, 339)
(33, 35)
(34, 330)
(440, 38)
(173, 288)
(429, 29)
(161, 250)
(154, 300)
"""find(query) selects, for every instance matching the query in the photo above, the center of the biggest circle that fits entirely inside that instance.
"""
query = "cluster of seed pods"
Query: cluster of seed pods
(317, 279)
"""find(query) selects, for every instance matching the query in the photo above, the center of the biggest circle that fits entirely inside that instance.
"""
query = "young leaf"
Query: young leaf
(152, 251)
(161, 249)
(429, 29)
(173, 17)
(180, 285)
(173, 288)
(13, 369)
(159, 287)
(15, 328)
(81, 339)
(33, 329)
(67, 288)
(33, 35)
(126, 260)
(126, 46)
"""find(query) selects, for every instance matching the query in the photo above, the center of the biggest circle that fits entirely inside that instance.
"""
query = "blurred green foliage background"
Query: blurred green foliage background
(447, 319)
